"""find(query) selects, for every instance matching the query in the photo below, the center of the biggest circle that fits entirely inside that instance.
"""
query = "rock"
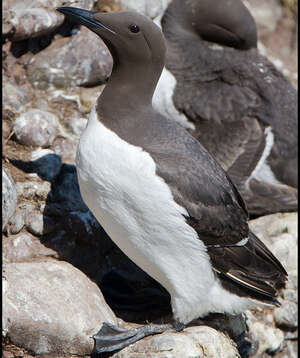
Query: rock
(290, 349)
(52, 308)
(266, 14)
(7, 26)
(6, 354)
(9, 197)
(46, 163)
(33, 21)
(6, 129)
(80, 60)
(37, 224)
(66, 148)
(89, 96)
(148, 8)
(270, 339)
(32, 190)
(286, 316)
(31, 18)
(15, 98)
(291, 5)
(269, 227)
(202, 342)
(279, 233)
(36, 128)
(25, 247)
(16, 222)
(77, 125)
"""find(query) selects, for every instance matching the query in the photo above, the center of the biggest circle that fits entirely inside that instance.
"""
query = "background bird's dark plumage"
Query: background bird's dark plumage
(232, 95)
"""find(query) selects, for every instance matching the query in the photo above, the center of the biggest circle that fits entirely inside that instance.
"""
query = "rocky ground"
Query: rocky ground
(60, 269)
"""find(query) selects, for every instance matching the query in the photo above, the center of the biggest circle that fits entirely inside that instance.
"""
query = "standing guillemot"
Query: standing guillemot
(243, 110)
(160, 195)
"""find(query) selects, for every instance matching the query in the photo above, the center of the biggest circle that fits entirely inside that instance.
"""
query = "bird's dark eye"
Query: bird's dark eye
(134, 28)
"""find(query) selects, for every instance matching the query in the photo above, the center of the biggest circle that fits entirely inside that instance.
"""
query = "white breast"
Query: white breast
(162, 100)
(262, 172)
(119, 184)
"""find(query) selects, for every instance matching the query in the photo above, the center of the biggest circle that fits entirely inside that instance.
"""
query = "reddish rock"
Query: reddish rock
(80, 60)
(36, 128)
(24, 247)
(52, 308)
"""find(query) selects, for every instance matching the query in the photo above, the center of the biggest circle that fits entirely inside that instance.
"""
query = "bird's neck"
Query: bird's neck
(131, 86)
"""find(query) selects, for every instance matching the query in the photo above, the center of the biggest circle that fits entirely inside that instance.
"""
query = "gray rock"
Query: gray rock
(25, 19)
(15, 98)
(286, 316)
(266, 14)
(9, 197)
(16, 222)
(89, 96)
(37, 224)
(77, 125)
(36, 128)
(6, 128)
(33, 21)
(80, 60)
(52, 308)
(33, 190)
(270, 338)
(66, 148)
(7, 26)
(269, 227)
(290, 349)
(200, 342)
(279, 232)
(152, 8)
(25, 247)
(46, 163)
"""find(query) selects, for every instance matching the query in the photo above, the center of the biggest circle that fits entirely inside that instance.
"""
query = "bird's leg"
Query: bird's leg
(112, 338)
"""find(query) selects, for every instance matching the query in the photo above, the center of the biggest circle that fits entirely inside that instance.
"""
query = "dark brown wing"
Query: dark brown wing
(218, 214)
(250, 270)
(201, 186)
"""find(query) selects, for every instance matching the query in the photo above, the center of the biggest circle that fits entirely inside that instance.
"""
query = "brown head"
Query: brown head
(225, 22)
(135, 42)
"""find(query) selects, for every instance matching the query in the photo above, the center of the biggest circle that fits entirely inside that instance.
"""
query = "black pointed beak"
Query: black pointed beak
(83, 17)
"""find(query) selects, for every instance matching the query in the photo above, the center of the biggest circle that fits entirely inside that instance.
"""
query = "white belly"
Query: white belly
(136, 208)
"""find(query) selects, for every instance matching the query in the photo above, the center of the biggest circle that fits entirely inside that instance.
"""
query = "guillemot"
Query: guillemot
(160, 196)
(243, 110)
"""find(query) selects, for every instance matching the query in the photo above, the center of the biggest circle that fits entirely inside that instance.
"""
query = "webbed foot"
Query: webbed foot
(111, 338)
